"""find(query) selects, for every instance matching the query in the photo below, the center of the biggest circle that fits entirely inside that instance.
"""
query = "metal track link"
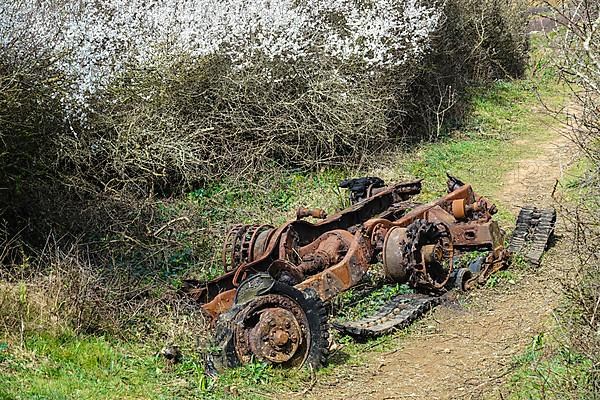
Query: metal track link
(532, 233)
(398, 313)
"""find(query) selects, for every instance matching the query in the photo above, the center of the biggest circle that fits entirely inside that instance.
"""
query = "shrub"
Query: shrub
(149, 100)
(211, 92)
(476, 42)
(580, 67)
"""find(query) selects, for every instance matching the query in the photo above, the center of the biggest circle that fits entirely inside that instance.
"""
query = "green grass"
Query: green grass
(580, 184)
(500, 278)
(93, 367)
(356, 304)
(549, 370)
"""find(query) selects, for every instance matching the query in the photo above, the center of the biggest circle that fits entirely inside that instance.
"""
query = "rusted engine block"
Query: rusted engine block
(269, 303)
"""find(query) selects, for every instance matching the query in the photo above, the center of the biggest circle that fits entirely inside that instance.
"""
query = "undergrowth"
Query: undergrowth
(550, 370)
(356, 303)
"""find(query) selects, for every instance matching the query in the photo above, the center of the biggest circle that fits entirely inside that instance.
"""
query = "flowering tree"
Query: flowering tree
(94, 40)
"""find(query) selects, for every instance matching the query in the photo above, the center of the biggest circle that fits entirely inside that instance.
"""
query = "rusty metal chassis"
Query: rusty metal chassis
(336, 253)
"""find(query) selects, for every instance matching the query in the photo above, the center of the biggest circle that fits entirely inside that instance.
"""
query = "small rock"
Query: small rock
(171, 353)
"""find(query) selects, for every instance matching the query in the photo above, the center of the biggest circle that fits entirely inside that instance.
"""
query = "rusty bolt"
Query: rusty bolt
(280, 337)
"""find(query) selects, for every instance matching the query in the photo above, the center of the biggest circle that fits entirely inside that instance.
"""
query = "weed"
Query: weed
(255, 372)
(357, 304)
(500, 278)
(469, 257)
(519, 262)
(548, 370)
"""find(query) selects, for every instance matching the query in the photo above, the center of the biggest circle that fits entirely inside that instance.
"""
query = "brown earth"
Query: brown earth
(466, 350)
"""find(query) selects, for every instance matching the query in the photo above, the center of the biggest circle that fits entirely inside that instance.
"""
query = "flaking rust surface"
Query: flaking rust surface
(465, 352)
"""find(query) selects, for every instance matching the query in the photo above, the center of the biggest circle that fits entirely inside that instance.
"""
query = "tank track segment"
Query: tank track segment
(532, 233)
(398, 313)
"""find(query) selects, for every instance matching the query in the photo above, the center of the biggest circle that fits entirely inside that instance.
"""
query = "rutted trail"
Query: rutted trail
(465, 352)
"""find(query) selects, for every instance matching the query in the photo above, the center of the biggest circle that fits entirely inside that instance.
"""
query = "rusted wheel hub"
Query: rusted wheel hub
(271, 322)
(277, 335)
(416, 254)
(274, 328)
(244, 244)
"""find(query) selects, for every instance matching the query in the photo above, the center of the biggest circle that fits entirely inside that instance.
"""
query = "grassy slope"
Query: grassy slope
(89, 367)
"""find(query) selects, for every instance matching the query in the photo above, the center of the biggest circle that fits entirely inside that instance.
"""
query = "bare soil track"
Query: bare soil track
(466, 350)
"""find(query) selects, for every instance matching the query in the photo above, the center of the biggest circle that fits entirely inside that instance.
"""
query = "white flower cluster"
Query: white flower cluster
(95, 39)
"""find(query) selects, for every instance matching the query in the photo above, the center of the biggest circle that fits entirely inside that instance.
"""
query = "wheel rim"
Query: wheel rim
(273, 328)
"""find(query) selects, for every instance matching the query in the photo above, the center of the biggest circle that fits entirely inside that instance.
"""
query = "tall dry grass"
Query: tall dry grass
(59, 291)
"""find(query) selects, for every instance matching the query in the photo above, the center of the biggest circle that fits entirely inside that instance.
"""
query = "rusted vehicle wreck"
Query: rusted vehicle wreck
(270, 304)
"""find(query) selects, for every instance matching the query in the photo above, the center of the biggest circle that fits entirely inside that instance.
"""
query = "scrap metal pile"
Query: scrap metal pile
(270, 303)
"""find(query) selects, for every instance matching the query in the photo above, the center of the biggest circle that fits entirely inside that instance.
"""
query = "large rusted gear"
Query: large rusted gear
(271, 322)
(416, 255)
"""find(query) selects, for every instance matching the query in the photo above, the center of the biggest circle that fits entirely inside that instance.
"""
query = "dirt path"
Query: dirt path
(465, 352)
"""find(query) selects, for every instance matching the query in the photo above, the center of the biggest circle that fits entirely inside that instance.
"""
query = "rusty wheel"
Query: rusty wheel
(273, 328)
(283, 326)
(417, 254)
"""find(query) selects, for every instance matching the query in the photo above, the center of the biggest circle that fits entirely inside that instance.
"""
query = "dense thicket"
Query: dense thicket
(99, 126)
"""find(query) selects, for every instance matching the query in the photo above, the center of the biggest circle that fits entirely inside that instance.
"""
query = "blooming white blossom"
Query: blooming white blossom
(96, 39)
